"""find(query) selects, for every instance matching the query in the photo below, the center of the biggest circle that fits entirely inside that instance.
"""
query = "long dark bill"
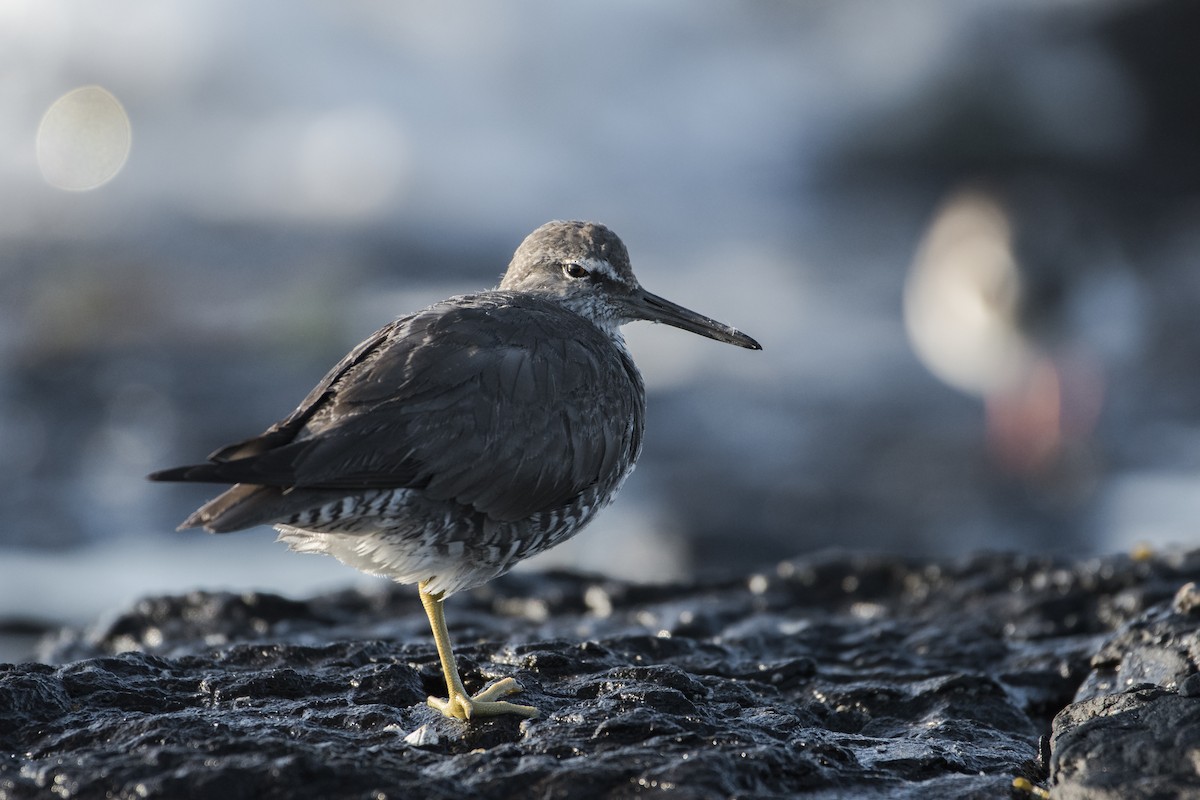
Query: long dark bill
(651, 307)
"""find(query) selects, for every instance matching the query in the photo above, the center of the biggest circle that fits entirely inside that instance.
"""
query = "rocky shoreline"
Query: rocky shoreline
(836, 675)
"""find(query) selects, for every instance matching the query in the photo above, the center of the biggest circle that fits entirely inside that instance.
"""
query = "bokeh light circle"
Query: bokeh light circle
(83, 140)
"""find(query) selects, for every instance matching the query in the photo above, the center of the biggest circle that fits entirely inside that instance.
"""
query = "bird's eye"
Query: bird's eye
(573, 270)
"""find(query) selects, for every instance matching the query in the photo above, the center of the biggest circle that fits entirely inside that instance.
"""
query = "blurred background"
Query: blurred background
(965, 231)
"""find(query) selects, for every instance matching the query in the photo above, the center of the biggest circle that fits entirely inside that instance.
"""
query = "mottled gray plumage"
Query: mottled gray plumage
(458, 440)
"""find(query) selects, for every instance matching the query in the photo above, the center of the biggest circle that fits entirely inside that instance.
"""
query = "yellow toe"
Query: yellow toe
(484, 703)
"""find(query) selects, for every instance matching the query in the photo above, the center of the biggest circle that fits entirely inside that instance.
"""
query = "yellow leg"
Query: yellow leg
(459, 705)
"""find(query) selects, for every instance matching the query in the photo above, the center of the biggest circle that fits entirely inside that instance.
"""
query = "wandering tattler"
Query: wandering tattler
(458, 440)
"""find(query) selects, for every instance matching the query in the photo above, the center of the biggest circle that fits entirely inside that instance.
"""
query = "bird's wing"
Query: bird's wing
(510, 408)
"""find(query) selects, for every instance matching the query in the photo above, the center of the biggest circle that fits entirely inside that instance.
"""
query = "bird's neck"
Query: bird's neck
(600, 315)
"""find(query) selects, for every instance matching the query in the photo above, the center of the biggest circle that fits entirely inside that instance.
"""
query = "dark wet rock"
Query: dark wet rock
(832, 676)
(1134, 728)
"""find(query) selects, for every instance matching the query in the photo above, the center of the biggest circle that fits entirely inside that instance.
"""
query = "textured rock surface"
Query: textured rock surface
(832, 676)
(1134, 728)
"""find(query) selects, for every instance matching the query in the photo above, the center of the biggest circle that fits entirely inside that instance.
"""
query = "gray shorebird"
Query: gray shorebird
(459, 440)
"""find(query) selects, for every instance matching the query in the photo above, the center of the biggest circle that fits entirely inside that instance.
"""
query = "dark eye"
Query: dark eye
(572, 270)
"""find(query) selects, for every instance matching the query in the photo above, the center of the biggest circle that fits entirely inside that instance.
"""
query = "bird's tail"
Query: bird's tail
(245, 505)
(242, 506)
(197, 473)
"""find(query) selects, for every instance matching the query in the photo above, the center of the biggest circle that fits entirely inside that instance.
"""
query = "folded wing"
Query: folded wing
(507, 404)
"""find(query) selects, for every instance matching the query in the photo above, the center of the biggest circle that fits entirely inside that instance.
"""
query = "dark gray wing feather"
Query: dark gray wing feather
(285, 430)
(504, 403)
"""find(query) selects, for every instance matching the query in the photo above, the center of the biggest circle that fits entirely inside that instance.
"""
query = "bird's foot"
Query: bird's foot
(484, 703)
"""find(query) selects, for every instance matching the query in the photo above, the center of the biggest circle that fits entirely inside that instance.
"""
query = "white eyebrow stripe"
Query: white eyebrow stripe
(599, 265)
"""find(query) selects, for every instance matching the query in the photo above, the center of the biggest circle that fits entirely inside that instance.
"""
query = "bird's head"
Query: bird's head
(585, 267)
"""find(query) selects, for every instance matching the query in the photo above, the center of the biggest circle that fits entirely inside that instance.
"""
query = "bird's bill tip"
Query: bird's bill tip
(653, 308)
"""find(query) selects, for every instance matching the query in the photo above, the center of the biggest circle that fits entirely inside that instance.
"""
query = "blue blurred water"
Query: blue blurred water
(300, 174)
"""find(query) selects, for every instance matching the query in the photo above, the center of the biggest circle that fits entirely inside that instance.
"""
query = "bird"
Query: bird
(458, 440)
